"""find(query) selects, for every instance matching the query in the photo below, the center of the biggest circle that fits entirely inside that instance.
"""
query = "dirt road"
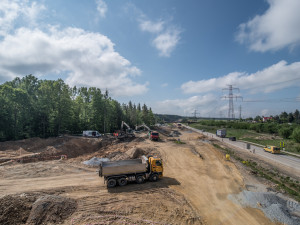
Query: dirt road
(206, 180)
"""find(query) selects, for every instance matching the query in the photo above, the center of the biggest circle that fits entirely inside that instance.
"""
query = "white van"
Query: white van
(91, 133)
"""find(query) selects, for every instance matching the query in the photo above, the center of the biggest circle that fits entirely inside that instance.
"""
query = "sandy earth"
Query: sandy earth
(197, 180)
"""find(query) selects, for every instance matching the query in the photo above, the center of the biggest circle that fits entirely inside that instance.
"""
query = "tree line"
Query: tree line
(30, 107)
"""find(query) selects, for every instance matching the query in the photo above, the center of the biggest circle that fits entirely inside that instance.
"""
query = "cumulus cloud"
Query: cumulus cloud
(204, 104)
(277, 28)
(88, 59)
(85, 58)
(11, 10)
(276, 77)
(101, 7)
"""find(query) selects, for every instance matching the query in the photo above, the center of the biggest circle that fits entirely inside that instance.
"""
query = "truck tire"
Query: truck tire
(154, 177)
(140, 179)
(111, 183)
(122, 181)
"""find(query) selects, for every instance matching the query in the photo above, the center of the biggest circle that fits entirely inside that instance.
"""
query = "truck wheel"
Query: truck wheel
(122, 181)
(154, 177)
(140, 179)
(111, 183)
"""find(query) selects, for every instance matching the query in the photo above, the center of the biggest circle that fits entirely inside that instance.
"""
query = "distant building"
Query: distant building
(265, 119)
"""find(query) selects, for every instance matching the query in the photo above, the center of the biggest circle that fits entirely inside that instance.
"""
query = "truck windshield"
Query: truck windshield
(158, 163)
(154, 133)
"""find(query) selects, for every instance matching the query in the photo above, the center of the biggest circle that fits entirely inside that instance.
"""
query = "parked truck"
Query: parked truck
(137, 170)
(221, 133)
(153, 135)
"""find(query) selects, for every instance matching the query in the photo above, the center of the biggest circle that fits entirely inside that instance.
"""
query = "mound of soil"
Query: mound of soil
(51, 209)
(15, 209)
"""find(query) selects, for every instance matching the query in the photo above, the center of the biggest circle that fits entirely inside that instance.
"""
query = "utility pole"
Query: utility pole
(230, 97)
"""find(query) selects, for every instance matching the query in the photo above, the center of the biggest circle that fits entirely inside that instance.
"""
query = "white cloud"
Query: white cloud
(164, 85)
(152, 27)
(11, 10)
(166, 36)
(205, 105)
(101, 7)
(273, 78)
(277, 28)
(167, 41)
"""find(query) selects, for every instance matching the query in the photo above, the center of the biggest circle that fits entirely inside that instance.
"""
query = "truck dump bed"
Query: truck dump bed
(122, 167)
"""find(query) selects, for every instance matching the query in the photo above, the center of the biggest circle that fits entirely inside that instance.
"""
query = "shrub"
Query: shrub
(296, 134)
(285, 132)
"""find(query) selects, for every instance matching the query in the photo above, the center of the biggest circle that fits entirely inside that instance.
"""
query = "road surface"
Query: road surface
(291, 162)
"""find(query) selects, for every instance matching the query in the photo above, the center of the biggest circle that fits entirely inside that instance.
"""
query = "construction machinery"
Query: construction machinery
(133, 170)
(272, 149)
(153, 135)
(143, 125)
(127, 133)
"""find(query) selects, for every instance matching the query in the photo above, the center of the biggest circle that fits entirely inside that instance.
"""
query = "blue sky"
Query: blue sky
(175, 56)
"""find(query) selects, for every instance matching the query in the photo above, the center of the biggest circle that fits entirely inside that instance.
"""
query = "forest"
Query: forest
(30, 107)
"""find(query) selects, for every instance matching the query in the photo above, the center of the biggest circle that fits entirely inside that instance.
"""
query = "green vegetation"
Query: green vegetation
(269, 133)
(42, 108)
(284, 183)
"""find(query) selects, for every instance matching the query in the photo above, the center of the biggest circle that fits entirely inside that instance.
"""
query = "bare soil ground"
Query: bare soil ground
(197, 180)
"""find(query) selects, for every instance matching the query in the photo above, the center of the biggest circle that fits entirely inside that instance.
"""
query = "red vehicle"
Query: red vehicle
(153, 135)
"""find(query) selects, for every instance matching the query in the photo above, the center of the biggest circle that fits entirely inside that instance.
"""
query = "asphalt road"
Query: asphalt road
(285, 160)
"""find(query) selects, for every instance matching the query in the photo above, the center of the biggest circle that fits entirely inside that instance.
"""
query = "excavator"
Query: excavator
(144, 126)
(121, 134)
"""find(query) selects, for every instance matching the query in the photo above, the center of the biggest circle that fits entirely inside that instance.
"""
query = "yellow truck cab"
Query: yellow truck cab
(272, 149)
(156, 167)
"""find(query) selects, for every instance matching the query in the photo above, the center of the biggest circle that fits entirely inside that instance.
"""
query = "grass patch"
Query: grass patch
(179, 142)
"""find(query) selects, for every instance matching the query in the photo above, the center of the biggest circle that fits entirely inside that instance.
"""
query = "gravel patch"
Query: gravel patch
(274, 205)
(95, 161)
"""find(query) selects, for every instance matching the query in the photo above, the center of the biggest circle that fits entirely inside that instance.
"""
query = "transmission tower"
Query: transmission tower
(195, 113)
(230, 97)
(240, 109)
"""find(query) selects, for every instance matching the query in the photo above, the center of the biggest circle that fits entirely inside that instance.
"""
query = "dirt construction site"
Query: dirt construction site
(45, 181)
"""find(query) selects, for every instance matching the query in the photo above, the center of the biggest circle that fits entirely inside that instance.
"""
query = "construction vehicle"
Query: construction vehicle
(124, 171)
(153, 135)
(272, 149)
(91, 133)
(121, 134)
(221, 133)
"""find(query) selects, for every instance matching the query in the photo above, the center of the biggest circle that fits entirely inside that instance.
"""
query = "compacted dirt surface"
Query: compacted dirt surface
(46, 188)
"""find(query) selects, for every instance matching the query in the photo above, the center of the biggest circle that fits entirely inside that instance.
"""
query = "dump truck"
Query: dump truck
(221, 133)
(134, 170)
(272, 149)
(153, 135)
